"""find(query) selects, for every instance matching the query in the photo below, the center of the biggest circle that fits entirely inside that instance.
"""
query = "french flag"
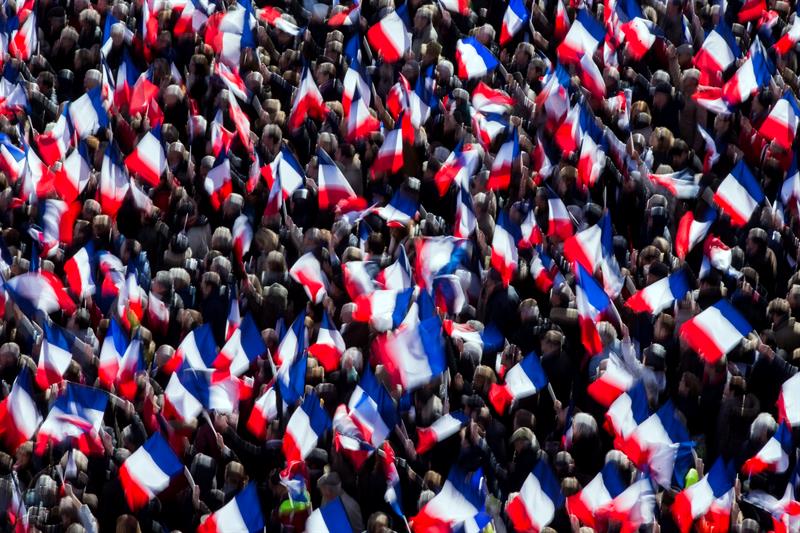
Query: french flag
(504, 247)
(192, 18)
(390, 38)
(54, 144)
(718, 255)
(718, 51)
(347, 17)
(753, 74)
(240, 515)
(569, 134)
(751, 10)
(413, 356)
(443, 428)
(12, 158)
(696, 501)
(197, 350)
(54, 356)
(18, 412)
(456, 6)
(40, 291)
(559, 222)
(348, 439)
(500, 176)
(330, 345)
(307, 425)
(88, 114)
(488, 100)
(396, 276)
(660, 295)
(358, 278)
(73, 176)
(789, 39)
(218, 182)
(243, 347)
(275, 18)
(465, 221)
(330, 518)
(562, 24)
(514, 19)
(591, 159)
(474, 60)
(127, 77)
(739, 194)
(596, 495)
(383, 309)
(265, 410)
(591, 77)
(372, 410)
(360, 122)
(586, 248)
(583, 37)
(78, 271)
(148, 160)
(185, 396)
(774, 455)
(400, 210)
(286, 167)
(114, 348)
(634, 507)
(240, 120)
(354, 79)
(715, 331)
(462, 161)
(232, 80)
(781, 124)
(535, 506)
(438, 255)
(531, 232)
(524, 379)
(390, 155)
(613, 382)
(791, 185)
(114, 181)
(157, 314)
(293, 343)
(624, 416)
(307, 102)
(545, 271)
(640, 35)
(682, 184)
(462, 497)
(333, 186)
(242, 236)
(448, 294)
(148, 471)
(692, 229)
(488, 127)
(789, 401)
(25, 42)
(75, 417)
(308, 272)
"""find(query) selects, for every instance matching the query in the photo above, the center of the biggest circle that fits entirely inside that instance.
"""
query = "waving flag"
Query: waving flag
(292, 378)
(791, 185)
(694, 502)
(217, 182)
(660, 295)
(442, 428)
(583, 37)
(460, 165)
(112, 352)
(330, 345)
(186, 395)
(789, 39)
(293, 343)
(751, 75)
(265, 410)
(693, 229)
(330, 518)
(390, 155)
(390, 38)
(474, 60)
(73, 176)
(197, 350)
(383, 309)
(514, 19)
(396, 276)
(488, 100)
(41, 291)
(355, 80)
(54, 144)
(75, 417)
(716, 254)
(413, 356)
(572, 130)
(242, 514)
(715, 331)
(114, 181)
(24, 42)
(774, 455)
(462, 497)
(597, 494)
(372, 410)
(244, 347)
(500, 176)
(307, 102)
(640, 35)
(307, 425)
(739, 194)
(718, 51)
(613, 382)
(751, 10)
(400, 210)
(307, 271)
(358, 278)
(535, 506)
(148, 471)
(465, 220)
(333, 186)
(504, 247)
(54, 356)
(623, 417)
(789, 401)
(19, 415)
(781, 124)
(286, 168)
(524, 379)
(242, 236)
(360, 122)
(88, 114)
(682, 184)
(148, 159)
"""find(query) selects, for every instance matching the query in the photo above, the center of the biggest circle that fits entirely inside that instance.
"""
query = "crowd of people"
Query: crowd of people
(370, 266)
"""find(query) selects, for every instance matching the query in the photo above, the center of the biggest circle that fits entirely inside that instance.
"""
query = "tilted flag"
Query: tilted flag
(372, 409)
(442, 428)
(148, 160)
(780, 125)
(694, 502)
(774, 455)
(333, 186)
(76, 417)
(19, 415)
(330, 345)
(474, 60)
(535, 506)
(307, 271)
(613, 382)
(307, 425)
(218, 183)
(596, 495)
(88, 114)
(148, 471)
(524, 379)
(715, 331)
(462, 498)
(242, 514)
(390, 37)
(739, 194)
(789, 401)
(54, 356)
(692, 229)
(660, 295)
(242, 348)
(330, 518)
(514, 19)
(583, 37)
(307, 102)
(413, 356)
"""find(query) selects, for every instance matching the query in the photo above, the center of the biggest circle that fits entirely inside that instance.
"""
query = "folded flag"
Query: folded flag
(739, 194)
(330, 345)
(148, 471)
(76, 418)
(240, 515)
(695, 501)
(19, 415)
(596, 495)
(474, 60)
(372, 409)
(488, 100)
(330, 518)
(535, 506)
(390, 37)
(307, 425)
(308, 272)
(774, 455)
(718, 255)
(789, 401)
(660, 295)
(692, 229)
(715, 331)
(524, 379)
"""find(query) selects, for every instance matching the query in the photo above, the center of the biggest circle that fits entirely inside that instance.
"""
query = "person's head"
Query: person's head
(756, 243)
(378, 523)
(762, 428)
(778, 311)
